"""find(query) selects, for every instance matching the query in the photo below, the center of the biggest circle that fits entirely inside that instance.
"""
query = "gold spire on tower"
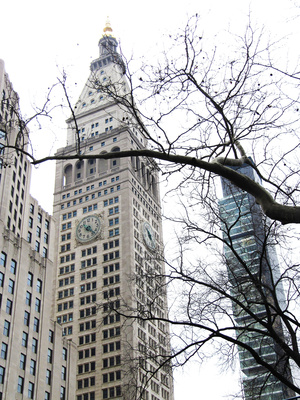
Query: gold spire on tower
(107, 31)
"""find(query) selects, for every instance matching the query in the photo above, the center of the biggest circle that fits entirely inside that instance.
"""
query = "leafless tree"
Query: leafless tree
(211, 113)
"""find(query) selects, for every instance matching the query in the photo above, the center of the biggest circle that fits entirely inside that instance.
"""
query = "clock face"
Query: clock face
(149, 236)
(88, 228)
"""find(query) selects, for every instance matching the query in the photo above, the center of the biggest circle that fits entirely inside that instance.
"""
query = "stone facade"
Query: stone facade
(34, 354)
(109, 241)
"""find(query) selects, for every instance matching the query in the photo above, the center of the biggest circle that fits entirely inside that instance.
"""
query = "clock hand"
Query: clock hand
(88, 228)
(149, 234)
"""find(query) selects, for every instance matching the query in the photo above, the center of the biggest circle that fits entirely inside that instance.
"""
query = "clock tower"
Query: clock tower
(109, 244)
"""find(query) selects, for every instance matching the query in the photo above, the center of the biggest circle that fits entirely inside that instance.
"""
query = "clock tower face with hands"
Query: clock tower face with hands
(88, 229)
(109, 231)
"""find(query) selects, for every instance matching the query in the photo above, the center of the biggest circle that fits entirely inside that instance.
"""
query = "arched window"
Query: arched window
(67, 178)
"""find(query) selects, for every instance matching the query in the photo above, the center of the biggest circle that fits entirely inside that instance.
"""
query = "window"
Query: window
(37, 246)
(32, 367)
(31, 208)
(64, 354)
(36, 324)
(4, 351)
(63, 373)
(30, 222)
(47, 396)
(34, 345)
(51, 336)
(2, 374)
(37, 305)
(20, 386)
(13, 267)
(3, 259)
(46, 224)
(6, 328)
(28, 299)
(46, 238)
(39, 286)
(48, 377)
(39, 218)
(30, 390)
(30, 279)
(62, 393)
(9, 304)
(11, 286)
(1, 279)
(24, 339)
(49, 356)
(22, 361)
(45, 252)
(26, 318)
(38, 231)
(29, 237)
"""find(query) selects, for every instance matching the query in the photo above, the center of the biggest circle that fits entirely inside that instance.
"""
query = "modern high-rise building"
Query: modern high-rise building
(108, 243)
(36, 361)
(253, 273)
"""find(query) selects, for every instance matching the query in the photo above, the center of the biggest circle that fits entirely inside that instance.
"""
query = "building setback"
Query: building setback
(253, 278)
(108, 241)
(36, 362)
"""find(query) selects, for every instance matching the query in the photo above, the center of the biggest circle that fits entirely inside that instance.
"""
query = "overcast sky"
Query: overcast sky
(40, 38)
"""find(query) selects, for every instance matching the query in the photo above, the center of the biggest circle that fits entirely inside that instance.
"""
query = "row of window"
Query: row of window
(111, 256)
(65, 306)
(112, 332)
(90, 352)
(111, 293)
(89, 251)
(67, 258)
(87, 312)
(39, 283)
(37, 301)
(62, 319)
(67, 269)
(111, 268)
(111, 319)
(88, 275)
(111, 392)
(66, 293)
(87, 367)
(91, 197)
(88, 299)
(111, 377)
(91, 338)
(86, 396)
(87, 325)
(90, 187)
(88, 286)
(69, 215)
(13, 263)
(89, 262)
(36, 321)
(37, 245)
(66, 281)
(111, 280)
(87, 382)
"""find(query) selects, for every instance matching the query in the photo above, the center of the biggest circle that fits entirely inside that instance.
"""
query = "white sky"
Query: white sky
(40, 38)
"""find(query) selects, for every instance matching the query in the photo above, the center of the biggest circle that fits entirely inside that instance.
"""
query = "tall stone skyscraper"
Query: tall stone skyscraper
(108, 241)
(253, 272)
(36, 361)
